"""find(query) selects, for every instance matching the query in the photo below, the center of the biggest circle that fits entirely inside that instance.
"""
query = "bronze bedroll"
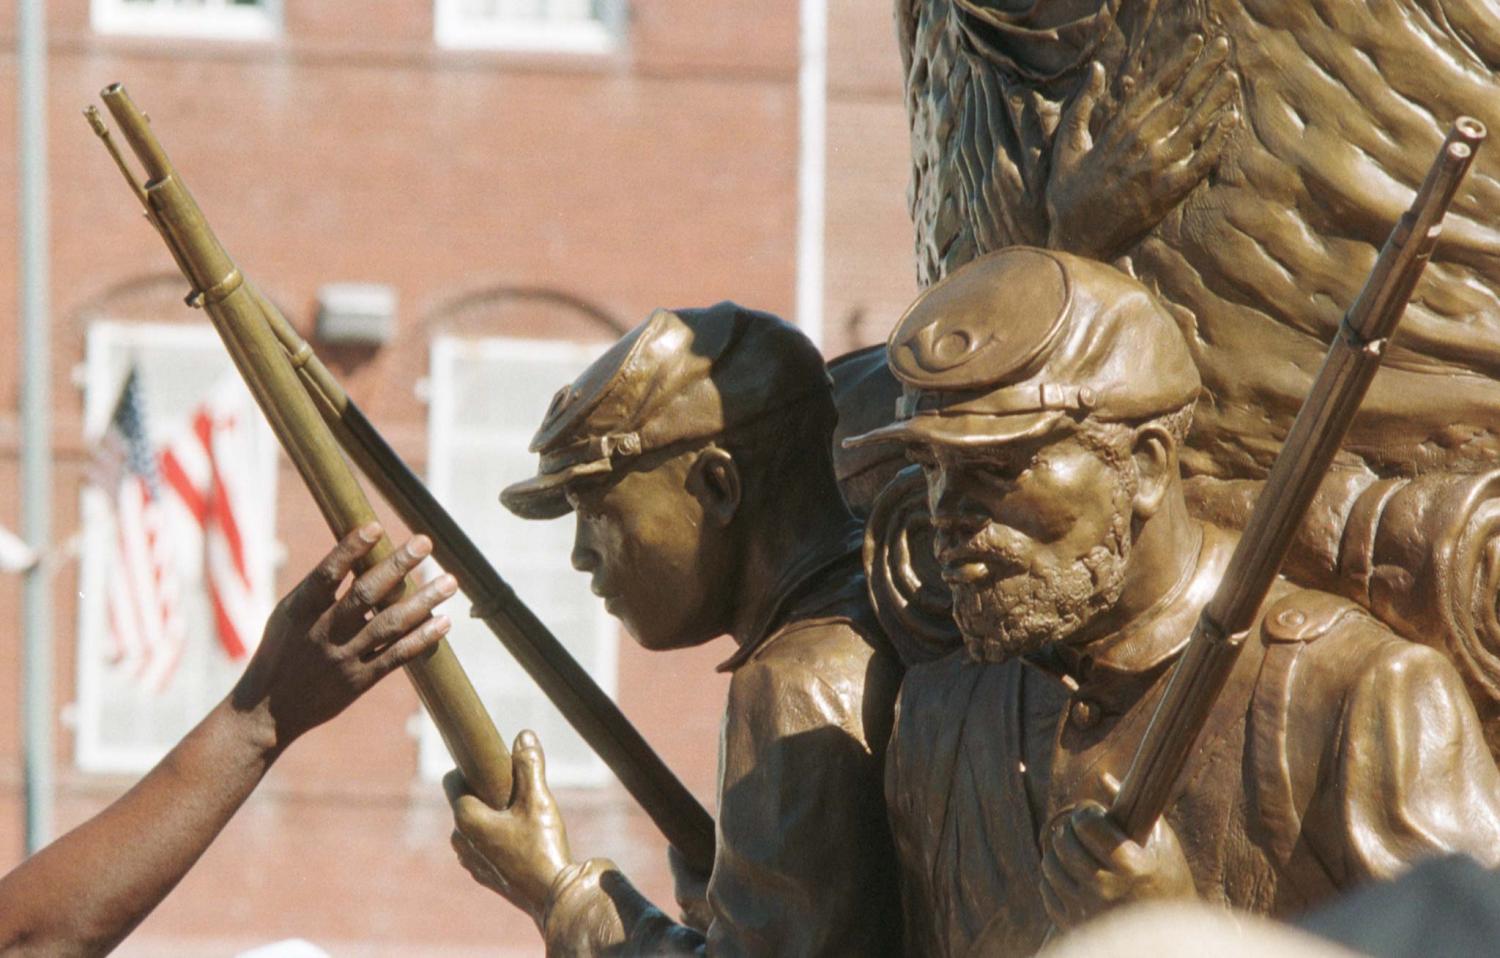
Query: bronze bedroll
(1315, 436)
(313, 417)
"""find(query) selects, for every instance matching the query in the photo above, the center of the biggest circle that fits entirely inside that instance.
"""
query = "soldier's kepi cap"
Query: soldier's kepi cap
(682, 375)
(1022, 341)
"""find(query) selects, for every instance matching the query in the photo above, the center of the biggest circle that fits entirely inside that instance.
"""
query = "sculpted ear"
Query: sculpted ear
(715, 479)
(1155, 455)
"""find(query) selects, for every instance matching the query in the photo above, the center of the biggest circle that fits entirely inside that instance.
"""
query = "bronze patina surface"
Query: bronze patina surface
(1046, 398)
(696, 454)
(1245, 159)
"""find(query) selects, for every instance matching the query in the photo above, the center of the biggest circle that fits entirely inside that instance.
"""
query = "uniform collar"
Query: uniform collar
(795, 585)
(1152, 638)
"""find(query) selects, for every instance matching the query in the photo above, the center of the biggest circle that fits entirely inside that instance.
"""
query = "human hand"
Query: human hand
(1167, 135)
(518, 851)
(1089, 866)
(318, 655)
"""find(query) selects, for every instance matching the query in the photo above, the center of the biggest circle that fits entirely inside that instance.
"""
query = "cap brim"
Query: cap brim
(545, 496)
(961, 431)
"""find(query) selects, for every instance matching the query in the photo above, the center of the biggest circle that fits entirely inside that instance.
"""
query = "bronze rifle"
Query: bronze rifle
(1353, 357)
(312, 416)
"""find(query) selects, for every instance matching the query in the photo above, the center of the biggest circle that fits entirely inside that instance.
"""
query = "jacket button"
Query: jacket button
(1084, 714)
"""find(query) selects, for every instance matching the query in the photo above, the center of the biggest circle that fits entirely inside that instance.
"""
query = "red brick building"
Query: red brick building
(524, 189)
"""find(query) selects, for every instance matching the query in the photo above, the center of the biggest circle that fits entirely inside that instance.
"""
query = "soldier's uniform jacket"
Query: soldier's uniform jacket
(1338, 753)
(804, 864)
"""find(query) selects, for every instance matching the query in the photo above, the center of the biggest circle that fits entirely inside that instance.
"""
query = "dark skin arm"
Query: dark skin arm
(85, 892)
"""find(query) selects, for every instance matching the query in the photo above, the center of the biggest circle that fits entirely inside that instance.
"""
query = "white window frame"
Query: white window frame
(446, 350)
(454, 30)
(91, 752)
(163, 18)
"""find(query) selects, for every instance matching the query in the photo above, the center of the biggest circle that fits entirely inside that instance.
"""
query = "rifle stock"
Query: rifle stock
(1316, 434)
(312, 415)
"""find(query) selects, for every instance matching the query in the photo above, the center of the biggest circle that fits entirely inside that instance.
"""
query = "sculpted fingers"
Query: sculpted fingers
(479, 868)
(1206, 69)
(529, 793)
(1218, 105)
(1141, 106)
(454, 785)
(1090, 870)
(1176, 92)
(1064, 893)
(1074, 139)
(1171, 75)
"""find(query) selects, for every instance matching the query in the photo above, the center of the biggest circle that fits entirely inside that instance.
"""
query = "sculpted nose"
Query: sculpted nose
(944, 497)
(952, 511)
(583, 557)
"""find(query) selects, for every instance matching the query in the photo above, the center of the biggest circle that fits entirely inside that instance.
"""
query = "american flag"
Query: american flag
(179, 514)
(209, 468)
(143, 598)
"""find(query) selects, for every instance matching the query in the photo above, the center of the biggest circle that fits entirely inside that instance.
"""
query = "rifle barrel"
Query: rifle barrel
(1316, 434)
(220, 288)
(598, 720)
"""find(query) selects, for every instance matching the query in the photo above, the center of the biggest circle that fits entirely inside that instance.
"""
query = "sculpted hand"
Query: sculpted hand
(1089, 866)
(319, 654)
(1167, 135)
(517, 852)
(691, 891)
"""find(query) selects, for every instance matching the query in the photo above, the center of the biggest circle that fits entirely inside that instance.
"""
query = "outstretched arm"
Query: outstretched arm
(85, 892)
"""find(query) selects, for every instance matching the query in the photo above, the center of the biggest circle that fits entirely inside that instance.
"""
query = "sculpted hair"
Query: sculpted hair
(1111, 441)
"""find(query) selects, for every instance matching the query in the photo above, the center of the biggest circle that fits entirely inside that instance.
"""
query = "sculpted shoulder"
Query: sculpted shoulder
(817, 672)
(1334, 679)
(1345, 649)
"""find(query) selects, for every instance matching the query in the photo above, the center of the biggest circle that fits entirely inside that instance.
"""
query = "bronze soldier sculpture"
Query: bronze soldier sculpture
(1255, 215)
(696, 455)
(1046, 398)
(1244, 161)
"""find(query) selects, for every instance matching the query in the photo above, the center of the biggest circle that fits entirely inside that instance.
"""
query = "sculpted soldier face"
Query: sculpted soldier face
(657, 546)
(1033, 537)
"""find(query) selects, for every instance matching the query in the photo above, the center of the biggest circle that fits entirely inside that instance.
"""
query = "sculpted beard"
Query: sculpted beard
(1017, 614)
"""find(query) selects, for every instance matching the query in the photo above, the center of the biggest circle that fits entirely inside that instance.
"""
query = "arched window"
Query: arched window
(497, 358)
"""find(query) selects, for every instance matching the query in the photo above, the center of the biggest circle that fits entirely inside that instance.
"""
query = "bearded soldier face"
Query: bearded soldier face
(1033, 538)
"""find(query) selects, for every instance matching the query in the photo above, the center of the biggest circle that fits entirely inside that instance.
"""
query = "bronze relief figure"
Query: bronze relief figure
(1244, 161)
(696, 457)
(1046, 398)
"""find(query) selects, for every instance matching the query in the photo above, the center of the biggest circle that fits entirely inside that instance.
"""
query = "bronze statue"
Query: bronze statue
(1255, 215)
(1046, 398)
(696, 455)
(1108, 128)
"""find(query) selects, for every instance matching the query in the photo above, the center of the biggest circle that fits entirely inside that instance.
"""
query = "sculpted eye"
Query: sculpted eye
(996, 475)
(582, 502)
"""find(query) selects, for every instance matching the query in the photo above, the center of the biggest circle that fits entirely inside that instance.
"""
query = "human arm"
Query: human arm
(84, 893)
(1105, 192)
